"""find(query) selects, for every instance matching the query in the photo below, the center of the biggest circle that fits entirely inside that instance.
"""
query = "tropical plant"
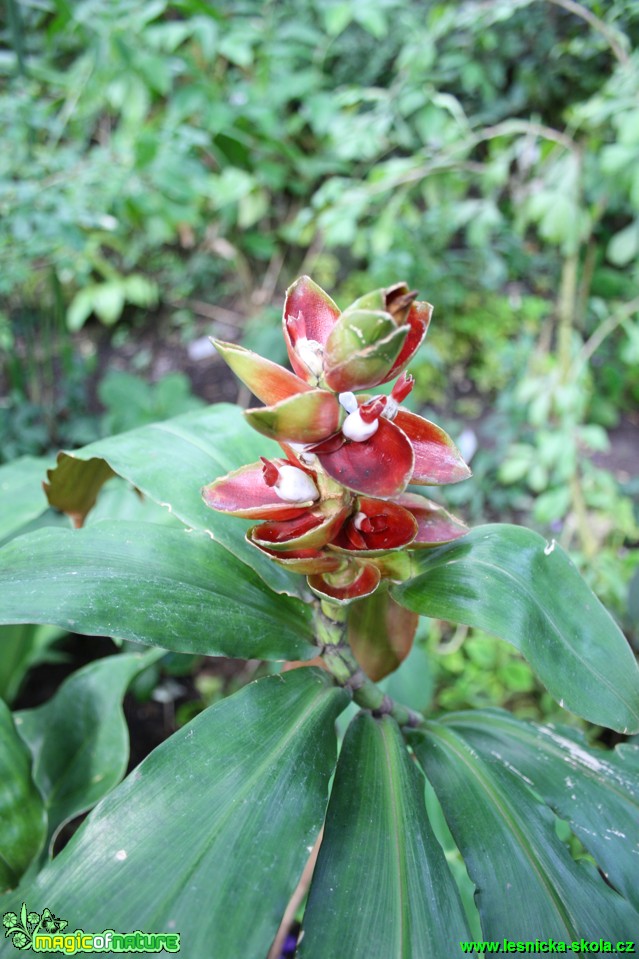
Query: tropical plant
(210, 835)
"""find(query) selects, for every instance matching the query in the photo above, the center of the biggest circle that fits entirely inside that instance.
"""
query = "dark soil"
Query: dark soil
(622, 459)
(165, 352)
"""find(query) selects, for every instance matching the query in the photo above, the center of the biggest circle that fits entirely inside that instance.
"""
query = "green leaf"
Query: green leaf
(80, 309)
(595, 790)
(336, 17)
(21, 493)
(21, 647)
(79, 740)
(528, 885)
(108, 300)
(552, 505)
(165, 587)
(381, 888)
(22, 812)
(510, 582)
(141, 291)
(624, 245)
(209, 835)
(170, 462)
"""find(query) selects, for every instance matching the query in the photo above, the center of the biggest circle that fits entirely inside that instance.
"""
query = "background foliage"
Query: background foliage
(171, 166)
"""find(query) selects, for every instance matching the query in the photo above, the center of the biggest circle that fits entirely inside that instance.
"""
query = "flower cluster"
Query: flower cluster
(335, 506)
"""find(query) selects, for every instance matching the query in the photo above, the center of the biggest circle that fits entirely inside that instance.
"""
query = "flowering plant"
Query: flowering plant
(335, 505)
(211, 835)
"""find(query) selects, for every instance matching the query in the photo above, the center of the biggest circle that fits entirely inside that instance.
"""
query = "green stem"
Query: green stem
(566, 315)
(341, 663)
(17, 36)
(587, 273)
(567, 308)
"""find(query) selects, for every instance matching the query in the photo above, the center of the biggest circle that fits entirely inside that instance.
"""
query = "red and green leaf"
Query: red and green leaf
(376, 526)
(418, 320)
(381, 633)
(310, 530)
(245, 494)
(269, 381)
(434, 524)
(306, 418)
(363, 579)
(362, 349)
(381, 466)
(437, 459)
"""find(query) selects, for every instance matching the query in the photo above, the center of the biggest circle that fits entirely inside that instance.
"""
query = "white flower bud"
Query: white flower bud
(357, 429)
(294, 485)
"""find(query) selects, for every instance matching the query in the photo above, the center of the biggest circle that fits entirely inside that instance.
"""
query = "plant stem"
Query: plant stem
(587, 273)
(588, 540)
(566, 315)
(17, 36)
(616, 318)
(341, 663)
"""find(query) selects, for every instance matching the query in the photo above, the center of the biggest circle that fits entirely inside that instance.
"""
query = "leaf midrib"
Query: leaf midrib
(247, 786)
(396, 833)
(505, 811)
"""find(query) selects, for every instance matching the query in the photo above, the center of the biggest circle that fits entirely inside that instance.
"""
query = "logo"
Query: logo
(47, 933)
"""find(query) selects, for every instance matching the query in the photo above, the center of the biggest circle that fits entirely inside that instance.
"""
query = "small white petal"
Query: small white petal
(348, 401)
(391, 408)
(308, 459)
(355, 428)
(358, 519)
(295, 486)
(311, 353)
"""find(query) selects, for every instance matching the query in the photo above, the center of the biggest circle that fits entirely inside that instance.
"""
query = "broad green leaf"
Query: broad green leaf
(595, 790)
(209, 835)
(117, 501)
(21, 647)
(22, 811)
(624, 245)
(510, 582)
(170, 462)
(165, 587)
(79, 740)
(381, 888)
(528, 885)
(21, 493)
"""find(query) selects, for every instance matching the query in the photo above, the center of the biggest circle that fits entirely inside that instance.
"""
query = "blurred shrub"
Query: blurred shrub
(420, 140)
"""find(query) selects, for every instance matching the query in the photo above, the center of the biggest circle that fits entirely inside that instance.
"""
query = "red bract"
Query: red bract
(403, 448)
(334, 508)
(263, 490)
(375, 527)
